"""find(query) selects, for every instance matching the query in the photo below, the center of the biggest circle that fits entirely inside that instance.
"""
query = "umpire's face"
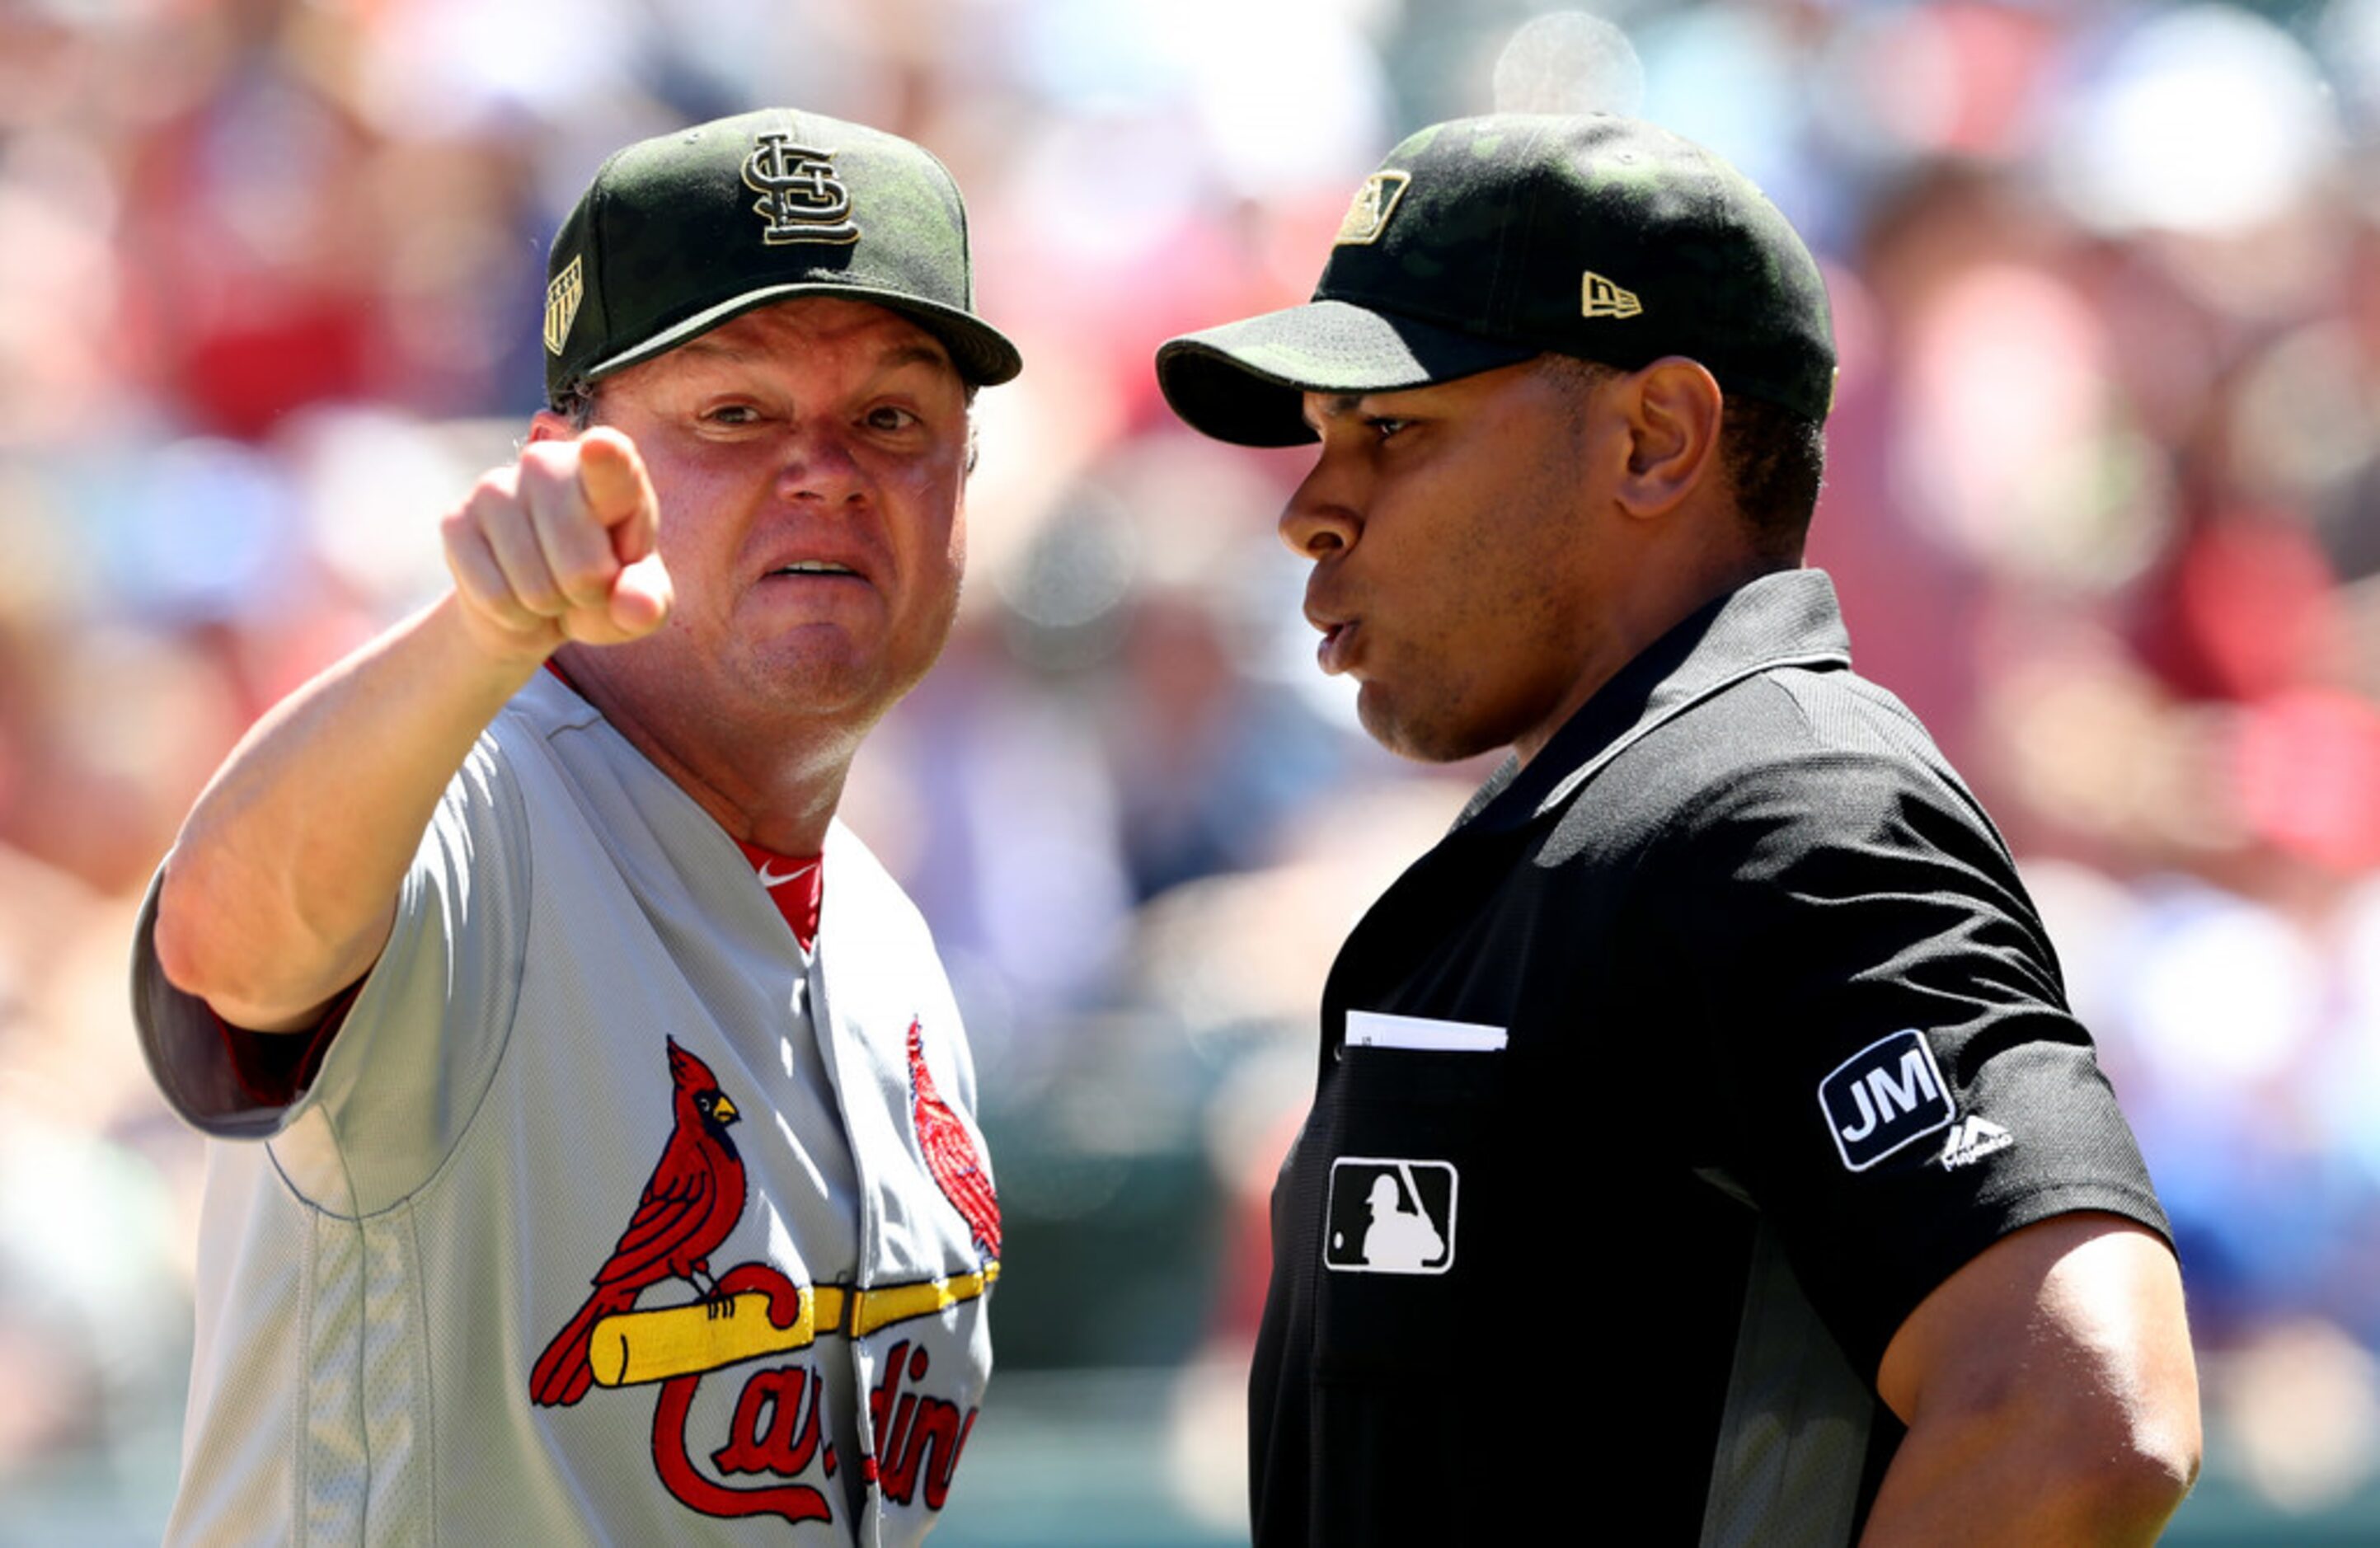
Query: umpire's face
(1461, 574)
(810, 459)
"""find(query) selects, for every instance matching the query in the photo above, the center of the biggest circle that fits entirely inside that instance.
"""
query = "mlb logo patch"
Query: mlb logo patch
(1389, 1216)
(1888, 1095)
(1368, 212)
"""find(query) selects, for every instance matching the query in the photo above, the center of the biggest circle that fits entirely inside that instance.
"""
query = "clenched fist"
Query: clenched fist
(560, 548)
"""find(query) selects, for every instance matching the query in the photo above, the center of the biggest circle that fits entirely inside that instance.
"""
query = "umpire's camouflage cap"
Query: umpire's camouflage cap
(1483, 242)
(679, 234)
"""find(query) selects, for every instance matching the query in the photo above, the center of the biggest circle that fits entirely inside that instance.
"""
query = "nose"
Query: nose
(1318, 521)
(819, 466)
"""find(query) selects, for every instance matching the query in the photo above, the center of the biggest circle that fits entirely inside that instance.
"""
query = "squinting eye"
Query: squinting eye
(732, 414)
(1385, 427)
(888, 417)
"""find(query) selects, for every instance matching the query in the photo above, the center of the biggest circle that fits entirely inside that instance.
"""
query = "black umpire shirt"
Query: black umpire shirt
(1652, 1100)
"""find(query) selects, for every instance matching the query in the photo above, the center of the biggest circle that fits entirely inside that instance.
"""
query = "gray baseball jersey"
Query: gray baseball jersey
(610, 1214)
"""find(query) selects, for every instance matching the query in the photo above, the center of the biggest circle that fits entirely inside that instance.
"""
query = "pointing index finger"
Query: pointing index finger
(619, 495)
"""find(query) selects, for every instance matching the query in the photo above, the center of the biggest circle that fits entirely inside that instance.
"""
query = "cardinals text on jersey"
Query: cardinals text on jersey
(752, 1311)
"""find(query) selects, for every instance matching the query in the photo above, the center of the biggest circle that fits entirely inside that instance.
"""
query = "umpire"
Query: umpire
(1710, 1088)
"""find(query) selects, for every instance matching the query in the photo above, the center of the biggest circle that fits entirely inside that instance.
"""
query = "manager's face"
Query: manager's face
(809, 460)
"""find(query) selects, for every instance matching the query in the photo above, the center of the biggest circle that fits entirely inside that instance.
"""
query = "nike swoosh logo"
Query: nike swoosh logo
(769, 879)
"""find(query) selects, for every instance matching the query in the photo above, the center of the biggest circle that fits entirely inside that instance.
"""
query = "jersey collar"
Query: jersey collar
(796, 884)
(1786, 619)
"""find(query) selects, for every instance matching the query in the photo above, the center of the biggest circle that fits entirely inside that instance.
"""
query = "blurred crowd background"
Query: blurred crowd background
(2103, 506)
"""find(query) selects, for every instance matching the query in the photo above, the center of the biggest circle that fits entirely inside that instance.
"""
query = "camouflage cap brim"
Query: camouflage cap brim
(981, 352)
(1244, 381)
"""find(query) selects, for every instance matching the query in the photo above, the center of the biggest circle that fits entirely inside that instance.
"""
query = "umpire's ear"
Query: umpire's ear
(1672, 411)
(546, 425)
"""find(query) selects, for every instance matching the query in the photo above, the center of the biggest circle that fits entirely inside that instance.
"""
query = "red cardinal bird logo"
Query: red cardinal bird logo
(949, 1151)
(692, 1201)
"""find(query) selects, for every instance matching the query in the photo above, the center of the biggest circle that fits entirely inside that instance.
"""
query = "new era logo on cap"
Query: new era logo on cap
(1600, 297)
(1888, 1095)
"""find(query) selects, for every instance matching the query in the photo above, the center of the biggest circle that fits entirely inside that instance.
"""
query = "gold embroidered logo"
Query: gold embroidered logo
(1369, 210)
(1599, 297)
(562, 300)
(801, 198)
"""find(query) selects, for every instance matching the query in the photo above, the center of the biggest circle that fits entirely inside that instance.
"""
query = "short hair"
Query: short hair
(1774, 459)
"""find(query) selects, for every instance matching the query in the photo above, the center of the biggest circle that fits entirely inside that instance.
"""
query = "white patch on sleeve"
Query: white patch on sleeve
(1887, 1096)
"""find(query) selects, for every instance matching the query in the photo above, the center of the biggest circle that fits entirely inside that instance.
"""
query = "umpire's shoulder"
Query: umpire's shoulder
(1810, 750)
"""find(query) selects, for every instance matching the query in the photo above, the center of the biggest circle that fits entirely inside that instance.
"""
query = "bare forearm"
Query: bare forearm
(283, 885)
(2038, 1490)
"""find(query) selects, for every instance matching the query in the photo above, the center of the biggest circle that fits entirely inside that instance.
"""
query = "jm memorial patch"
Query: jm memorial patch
(1389, 1216)
(1888, 1095)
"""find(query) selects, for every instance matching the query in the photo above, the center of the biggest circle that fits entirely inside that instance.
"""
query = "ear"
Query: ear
(549, 426)
(1673, 409)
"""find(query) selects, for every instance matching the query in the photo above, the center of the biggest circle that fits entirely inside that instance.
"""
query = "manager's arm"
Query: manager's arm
(2050, 1392)
(282, 887)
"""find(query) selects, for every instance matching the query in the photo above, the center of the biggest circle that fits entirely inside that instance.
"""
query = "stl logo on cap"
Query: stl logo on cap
(562, 300)
(801, 198)
(1368, 212)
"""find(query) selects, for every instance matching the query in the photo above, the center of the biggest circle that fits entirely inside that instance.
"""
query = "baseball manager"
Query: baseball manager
(1702, 1145)
(598, 1156)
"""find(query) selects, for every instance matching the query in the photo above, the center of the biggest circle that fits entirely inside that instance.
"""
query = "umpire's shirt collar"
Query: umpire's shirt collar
(1786, 619)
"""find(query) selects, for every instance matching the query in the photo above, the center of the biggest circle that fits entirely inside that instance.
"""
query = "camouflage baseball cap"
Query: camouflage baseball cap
(1484, 242)
(681, 232)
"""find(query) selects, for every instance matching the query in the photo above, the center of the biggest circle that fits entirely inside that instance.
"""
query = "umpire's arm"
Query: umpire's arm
(2049, 1393)
(282, 889)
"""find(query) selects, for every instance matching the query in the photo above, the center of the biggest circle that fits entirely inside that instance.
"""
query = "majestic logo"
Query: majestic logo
(801, 198)
(1389, 1216)
(748, 1313)
(1369, 210)
(1600, 297)
(562, 299)
(1888, 1095)
(1971, 1141)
